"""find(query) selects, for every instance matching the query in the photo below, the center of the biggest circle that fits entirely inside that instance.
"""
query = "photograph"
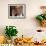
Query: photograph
(16, 11)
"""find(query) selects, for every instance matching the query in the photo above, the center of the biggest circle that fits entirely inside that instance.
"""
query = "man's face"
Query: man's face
(19, 9)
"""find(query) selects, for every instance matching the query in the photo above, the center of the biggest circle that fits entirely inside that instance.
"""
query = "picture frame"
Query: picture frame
(16, 11)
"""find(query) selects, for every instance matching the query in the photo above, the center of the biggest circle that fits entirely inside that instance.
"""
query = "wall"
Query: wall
(25, 26)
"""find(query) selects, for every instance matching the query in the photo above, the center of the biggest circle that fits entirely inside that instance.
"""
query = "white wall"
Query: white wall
(25, 26)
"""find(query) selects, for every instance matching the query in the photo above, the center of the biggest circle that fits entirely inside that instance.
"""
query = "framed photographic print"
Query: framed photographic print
(16, 11)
